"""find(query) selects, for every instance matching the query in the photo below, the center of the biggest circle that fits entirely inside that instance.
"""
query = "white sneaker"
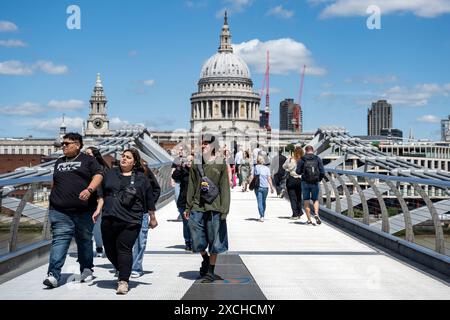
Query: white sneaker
(261, 219)
(50, 281)
(136, 274)
(86, 275)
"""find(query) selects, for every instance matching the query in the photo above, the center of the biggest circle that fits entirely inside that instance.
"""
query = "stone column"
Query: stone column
(232, 109)
(226, 109)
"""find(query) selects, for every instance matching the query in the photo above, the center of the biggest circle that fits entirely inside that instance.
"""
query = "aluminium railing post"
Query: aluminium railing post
(366, 214)
(337, 198)
(409, 236)
(350, 212)
(384, 213)
(14, 231)
(440, 243)
(328, 193)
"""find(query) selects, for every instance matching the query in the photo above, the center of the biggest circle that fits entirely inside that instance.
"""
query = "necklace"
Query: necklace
(73, 159)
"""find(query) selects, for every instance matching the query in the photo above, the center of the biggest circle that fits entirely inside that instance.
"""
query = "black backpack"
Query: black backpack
(311, 172)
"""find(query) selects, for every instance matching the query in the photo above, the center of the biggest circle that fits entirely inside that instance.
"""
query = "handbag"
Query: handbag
(128, 195)
(208, 190)
(254, 184)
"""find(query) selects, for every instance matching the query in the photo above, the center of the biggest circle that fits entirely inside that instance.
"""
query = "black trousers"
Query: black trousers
(294, 189)
(118, 239)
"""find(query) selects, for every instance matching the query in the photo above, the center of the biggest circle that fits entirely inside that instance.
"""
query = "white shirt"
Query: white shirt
(238, 157)
(255, 155)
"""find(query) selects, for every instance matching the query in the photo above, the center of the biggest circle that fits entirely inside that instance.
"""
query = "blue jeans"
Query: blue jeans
(98, 233)
(186, 231)
(261, 196)
(64, 226)
(208, 231)
(139, 245)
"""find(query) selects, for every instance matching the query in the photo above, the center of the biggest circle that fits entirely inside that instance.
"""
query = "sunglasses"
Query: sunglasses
(65, 144)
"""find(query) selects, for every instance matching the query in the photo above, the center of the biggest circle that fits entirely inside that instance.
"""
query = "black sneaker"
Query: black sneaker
(310, 223)
(204, 268)
(318, 219)
(208, 278)
(188, 248)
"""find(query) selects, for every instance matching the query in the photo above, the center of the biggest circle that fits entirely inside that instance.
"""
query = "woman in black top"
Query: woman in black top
(125, 195)
(94, 152)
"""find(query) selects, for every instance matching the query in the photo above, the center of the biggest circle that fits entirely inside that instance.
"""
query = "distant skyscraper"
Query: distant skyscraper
(262, 119)
(288, 116)
(445, 129)
(379, 117)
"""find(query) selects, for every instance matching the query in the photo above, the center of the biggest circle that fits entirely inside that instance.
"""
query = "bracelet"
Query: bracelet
(90, 190)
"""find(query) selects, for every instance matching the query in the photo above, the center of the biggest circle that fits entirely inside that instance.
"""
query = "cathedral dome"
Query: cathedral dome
(225, 64)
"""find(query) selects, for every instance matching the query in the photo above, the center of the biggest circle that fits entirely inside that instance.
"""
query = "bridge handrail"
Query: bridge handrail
(432, 182)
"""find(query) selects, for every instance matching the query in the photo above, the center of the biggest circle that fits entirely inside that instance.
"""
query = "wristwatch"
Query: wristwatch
(90, 190)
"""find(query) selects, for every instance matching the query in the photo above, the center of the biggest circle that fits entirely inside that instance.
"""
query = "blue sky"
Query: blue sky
(150, 54)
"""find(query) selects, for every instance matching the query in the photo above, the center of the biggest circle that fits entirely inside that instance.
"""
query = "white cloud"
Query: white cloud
(7, 26)
(52, 125)
(16, 68)
(132, 53)
(196, 4)
(417, 96)
(429, 119)
(280, 12)
(12, 43)
(50, 67)
(149, 83)
(117, 123)
(64, 105)
(233, 6)
(380, 79)
(286, 56)
(347, 8)
(24, 109)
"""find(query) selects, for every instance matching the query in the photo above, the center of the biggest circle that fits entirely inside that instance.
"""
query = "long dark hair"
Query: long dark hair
(99, 158)
(137, 159)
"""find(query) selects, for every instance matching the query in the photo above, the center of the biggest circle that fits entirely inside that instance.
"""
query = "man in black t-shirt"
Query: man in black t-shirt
(76, 176)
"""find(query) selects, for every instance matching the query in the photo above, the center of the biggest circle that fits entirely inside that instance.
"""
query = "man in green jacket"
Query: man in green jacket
(207, 221)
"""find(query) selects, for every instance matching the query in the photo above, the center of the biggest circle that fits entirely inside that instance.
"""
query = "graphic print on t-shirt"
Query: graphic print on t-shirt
(69, 166)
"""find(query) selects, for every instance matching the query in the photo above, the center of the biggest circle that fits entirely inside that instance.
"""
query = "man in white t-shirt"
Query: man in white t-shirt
(238, 161)
(256, 152)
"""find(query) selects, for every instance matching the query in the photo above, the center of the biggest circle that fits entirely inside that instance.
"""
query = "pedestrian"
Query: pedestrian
(238, 158)
(279, 173)
(262, 190)
(181, 176)
(245, 170)
(293, 183)
(180, 157)
(125, 195)
(207, 206)
(255, 154)
(76, 177)
(94, 152)
(310, 167)
(137, 269)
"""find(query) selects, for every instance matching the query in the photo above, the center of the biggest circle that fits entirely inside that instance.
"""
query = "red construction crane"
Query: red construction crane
(298, 109)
